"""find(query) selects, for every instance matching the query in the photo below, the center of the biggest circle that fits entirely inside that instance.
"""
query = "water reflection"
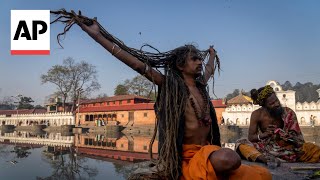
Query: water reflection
(60, 156)
(67, 165)
(116, 146)
(42, 155)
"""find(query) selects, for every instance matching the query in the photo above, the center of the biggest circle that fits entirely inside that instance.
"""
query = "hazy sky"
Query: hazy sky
(257, 41)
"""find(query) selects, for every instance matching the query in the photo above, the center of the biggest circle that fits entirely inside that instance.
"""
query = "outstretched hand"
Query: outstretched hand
(93, 29)
(212, 51)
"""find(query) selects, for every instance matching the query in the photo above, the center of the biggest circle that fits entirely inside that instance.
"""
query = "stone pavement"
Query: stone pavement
(284, 172)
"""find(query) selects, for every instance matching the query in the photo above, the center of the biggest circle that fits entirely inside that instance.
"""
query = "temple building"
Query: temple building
(239, 108)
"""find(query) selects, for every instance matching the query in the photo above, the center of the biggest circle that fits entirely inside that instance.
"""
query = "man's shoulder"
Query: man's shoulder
(288, 110)
(258, 111)
(256, 114)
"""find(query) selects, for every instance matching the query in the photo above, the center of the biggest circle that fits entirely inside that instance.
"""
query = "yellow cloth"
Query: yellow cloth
(249, 152)
(196, 165)
(311, 153)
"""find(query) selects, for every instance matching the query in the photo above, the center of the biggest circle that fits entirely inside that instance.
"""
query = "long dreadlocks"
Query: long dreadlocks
(172, 96)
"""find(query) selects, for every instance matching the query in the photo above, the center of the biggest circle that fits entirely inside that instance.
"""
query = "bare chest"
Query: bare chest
(196, 97)
(265, 121)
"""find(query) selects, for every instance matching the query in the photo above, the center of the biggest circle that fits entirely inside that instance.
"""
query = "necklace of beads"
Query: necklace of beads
(203, 116)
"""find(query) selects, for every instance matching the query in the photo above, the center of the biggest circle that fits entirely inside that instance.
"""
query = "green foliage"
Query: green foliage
(235, 93)
(139, 85)
(121, 89)
(25, 103)
(39, 107)
(103, 95)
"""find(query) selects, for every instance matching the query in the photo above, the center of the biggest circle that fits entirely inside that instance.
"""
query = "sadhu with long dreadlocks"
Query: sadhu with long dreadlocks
(274, 132)
(189, 138)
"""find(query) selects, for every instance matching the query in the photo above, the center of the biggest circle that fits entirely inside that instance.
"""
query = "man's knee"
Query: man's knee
(225, 160)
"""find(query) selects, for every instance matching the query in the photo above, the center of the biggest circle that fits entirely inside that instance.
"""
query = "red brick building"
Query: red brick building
(125, 110)
(220, 106)
(117, 110)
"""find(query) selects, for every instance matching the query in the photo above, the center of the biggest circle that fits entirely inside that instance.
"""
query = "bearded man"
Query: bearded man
(274, 132)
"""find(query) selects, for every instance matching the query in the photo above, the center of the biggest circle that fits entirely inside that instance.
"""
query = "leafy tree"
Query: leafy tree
(121, 89)
(139, 86)
(25, 103)
(103, 95)
(235, 93)
(39, 107)
(72, 80)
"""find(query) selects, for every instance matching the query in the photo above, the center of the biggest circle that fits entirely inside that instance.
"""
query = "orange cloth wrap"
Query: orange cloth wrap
(249, 152)
(311, 153)
(196, 165)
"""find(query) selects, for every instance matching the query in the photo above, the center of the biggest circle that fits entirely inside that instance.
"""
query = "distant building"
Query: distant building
(126, 110)
(219, 106)
(54, 104)
(30, 117)
(239, 109)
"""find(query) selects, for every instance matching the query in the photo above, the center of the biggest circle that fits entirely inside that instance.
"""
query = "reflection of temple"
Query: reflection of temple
(24, 137)
(130, 148)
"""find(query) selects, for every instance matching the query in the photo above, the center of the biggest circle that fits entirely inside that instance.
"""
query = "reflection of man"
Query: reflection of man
(274, 131)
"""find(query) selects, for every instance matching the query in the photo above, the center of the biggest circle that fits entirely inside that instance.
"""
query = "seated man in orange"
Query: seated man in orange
(189, 138)
(274, 131)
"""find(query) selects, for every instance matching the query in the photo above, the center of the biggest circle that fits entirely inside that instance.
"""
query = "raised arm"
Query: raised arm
(142, 68)
(209, 68)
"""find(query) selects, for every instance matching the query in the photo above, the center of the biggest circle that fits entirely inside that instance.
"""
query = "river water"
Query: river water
(40, 155)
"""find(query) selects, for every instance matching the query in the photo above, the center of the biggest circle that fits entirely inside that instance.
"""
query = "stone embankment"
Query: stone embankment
(284, 172)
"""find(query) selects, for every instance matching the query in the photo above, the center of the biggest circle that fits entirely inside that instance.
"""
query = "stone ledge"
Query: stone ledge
(283, 172)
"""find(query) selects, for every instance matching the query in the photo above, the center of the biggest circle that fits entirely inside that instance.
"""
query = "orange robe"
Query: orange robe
(311, 153)
(196, 165)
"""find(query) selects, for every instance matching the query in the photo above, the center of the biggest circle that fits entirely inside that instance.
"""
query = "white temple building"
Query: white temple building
(239, 108)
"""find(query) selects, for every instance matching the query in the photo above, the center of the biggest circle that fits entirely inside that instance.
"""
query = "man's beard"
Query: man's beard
(276, 112)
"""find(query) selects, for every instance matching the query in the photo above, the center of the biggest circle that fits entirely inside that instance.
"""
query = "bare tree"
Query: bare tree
(71, 78)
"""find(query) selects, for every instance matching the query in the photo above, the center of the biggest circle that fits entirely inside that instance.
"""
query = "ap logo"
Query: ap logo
(30, 32)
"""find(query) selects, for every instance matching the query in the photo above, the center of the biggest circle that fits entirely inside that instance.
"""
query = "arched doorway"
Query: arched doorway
(237, 121)
(247, 121)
